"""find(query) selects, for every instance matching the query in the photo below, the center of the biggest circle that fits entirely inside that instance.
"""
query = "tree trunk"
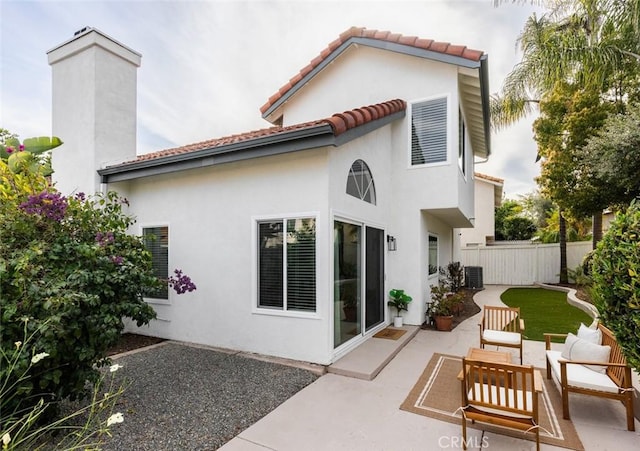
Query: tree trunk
(562, 226)
(597, 228)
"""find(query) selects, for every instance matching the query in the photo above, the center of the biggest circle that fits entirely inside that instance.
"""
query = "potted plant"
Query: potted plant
(350, 309)
(445, 304)
(400, 300)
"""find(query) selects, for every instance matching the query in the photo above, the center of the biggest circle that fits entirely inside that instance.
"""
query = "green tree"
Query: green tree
(538, 208)
(511, 224)
(613, 157)
(576, 229)
(592, 43)
(569, 116)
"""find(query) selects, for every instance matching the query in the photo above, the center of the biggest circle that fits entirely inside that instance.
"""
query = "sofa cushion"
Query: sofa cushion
(590, 334)
(505, 401)
(500, 336)
(581, 376)
(576, 348)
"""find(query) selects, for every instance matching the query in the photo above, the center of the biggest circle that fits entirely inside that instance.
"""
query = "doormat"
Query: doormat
(437, 395)
(390, 334)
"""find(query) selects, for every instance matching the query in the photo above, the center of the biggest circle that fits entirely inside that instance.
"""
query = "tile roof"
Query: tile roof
(339, 122)
(444, 48)
(490, 178)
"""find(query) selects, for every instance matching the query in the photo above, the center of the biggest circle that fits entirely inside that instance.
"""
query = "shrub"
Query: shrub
(615, 271)
(69, 270)
(445, 302)
(453, 276)
(83, 428)
(580, 276)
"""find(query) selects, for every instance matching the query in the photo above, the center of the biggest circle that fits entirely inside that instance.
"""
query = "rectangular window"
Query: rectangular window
(433, 255)
(429, 132)
(462, 151)
(156, 240)
(287, 264)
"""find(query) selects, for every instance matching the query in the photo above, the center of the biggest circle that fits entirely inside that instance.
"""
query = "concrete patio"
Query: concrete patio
(345, 413)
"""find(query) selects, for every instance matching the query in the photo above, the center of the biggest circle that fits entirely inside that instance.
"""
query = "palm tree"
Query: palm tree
(586, 42)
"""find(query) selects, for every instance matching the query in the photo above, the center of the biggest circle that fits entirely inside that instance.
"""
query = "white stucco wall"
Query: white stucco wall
(93, 110)
(484, 213)
(368, 76)
(211, 214)
(363, 76)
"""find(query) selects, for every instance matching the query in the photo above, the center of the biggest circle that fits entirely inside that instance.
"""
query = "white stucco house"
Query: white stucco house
(294, 234)
(488, 196)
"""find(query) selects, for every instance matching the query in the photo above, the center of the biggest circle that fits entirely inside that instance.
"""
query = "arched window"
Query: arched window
(360, 182)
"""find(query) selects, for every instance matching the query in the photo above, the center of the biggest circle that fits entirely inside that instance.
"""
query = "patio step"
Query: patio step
(368, 359)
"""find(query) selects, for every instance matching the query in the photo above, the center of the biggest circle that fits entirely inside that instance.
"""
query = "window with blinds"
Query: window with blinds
(287, 264)
(156, 240)
(429, 132)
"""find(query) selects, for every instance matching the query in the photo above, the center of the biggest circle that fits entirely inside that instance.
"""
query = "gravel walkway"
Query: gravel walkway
(186, 398)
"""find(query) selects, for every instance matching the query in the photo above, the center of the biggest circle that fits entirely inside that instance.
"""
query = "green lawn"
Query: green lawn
(545, 311)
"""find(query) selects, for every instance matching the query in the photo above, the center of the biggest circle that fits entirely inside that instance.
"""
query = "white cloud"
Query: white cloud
(208, 66)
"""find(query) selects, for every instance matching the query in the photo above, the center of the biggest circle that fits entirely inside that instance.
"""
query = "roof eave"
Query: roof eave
(486, 97)
(322, 135)
(317, 136)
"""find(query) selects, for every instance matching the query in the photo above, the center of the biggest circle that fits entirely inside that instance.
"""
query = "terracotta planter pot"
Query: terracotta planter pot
(444, 322)
(350, 313)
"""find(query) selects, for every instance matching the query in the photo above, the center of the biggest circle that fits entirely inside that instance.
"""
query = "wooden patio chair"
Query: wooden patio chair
(501, 326)
(501, 394)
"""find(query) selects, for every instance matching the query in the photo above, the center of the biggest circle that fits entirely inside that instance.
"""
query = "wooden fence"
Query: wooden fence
(522, 264)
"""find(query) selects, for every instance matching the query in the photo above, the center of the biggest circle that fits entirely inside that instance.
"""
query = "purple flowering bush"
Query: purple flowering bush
(49, 206)
(180, 282)
(69, 270)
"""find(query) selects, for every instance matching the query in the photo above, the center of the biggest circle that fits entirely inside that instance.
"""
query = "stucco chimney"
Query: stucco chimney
(94, 108)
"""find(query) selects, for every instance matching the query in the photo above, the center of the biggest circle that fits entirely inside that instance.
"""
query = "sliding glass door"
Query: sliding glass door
(374, 277)
(347, 239)
(358, 275)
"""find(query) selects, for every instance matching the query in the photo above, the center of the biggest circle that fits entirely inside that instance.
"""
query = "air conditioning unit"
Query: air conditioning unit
(473, 277)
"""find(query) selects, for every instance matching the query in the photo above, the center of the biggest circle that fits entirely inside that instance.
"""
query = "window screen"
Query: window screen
(287, 264)
(156, 240)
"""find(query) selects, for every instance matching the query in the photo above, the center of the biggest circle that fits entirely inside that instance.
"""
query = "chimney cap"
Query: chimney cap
(82, 30)
(87, 37)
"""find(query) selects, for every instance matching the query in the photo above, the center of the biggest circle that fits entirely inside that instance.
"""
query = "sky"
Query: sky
(208, 66)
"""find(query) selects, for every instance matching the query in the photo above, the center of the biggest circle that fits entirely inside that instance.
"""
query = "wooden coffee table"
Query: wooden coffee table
(487, 355)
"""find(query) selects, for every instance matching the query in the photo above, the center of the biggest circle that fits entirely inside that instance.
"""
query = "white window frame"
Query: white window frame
(151, 300)
(462, 143)
(257, 309)
(448, 115)
(370, 189)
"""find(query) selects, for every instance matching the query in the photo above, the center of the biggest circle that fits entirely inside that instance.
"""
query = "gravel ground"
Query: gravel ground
(186, 398)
